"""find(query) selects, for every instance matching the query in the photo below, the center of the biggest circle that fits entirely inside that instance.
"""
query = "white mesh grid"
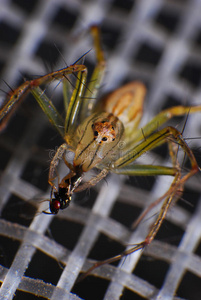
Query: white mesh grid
(155, 41)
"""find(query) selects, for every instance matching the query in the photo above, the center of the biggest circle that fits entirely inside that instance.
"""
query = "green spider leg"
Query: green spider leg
(80, 105)
(160, 119)
(146, 140)
(170, 135)
(169, 196)
(15, 97)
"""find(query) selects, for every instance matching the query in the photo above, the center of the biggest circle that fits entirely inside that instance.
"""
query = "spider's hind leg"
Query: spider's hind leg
(173, 152)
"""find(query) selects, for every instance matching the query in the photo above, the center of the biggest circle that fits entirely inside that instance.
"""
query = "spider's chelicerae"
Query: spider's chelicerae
(95, 131)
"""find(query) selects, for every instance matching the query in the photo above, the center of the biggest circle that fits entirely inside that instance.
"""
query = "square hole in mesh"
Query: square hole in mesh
(50, 140)
(191, 72)
(27, 6)
(189, 287)
(110, 35)
(18, 211)
(198, 250)
(196, 152)
(128, 294)
(168, 20)
(105, 248)
(65, 232)
(4, 157)
(14, 130)
(189, 199)
(197, 40)
(19, 295)
(148, 54)
(86, 198)
(161, 151)
(44, 267)
(8, 33)
(49, 53)
(2, 65)
(8, 250)
(124, 5)
(152, 270)
(125, 214)
(141, 182)
(91, 288)
(170, 233)
(65, 18)
(171, 101)
(36, 174)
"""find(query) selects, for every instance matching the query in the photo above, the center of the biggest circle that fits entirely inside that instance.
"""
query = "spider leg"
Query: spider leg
(156, 139)
(160, 119)
(74, 107)
(169, 197)
(92, 181)
(16, 96)
(90, 98)
(54, 163)
(168, 134)
(173, 151)
(83, 99)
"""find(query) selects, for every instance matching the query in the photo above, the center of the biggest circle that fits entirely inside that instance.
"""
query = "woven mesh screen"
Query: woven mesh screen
(154, 41)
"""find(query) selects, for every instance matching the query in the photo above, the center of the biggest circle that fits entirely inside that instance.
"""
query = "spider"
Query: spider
(94, 132)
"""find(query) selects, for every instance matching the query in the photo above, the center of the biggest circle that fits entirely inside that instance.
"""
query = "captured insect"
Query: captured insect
(94, 131)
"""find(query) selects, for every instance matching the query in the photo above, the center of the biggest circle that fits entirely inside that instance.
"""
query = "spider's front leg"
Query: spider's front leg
(15, 97)
(54, 163)
(61, 195)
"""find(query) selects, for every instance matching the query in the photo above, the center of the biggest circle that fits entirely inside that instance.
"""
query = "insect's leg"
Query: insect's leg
(54, 163)
(97, 75)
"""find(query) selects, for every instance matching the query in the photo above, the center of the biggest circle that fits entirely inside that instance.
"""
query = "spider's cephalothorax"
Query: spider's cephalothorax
(98, 137)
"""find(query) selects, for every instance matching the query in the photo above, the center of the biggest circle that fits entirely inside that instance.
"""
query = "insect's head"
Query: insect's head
(60, 201)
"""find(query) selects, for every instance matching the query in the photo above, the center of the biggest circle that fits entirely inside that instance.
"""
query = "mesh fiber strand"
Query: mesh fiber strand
(155, 41)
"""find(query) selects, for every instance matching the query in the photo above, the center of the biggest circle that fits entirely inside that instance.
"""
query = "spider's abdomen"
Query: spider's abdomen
(98, 138)
(126, 103)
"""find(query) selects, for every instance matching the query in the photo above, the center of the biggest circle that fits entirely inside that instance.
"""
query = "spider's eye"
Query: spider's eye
(95, 133)
(104, 139)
